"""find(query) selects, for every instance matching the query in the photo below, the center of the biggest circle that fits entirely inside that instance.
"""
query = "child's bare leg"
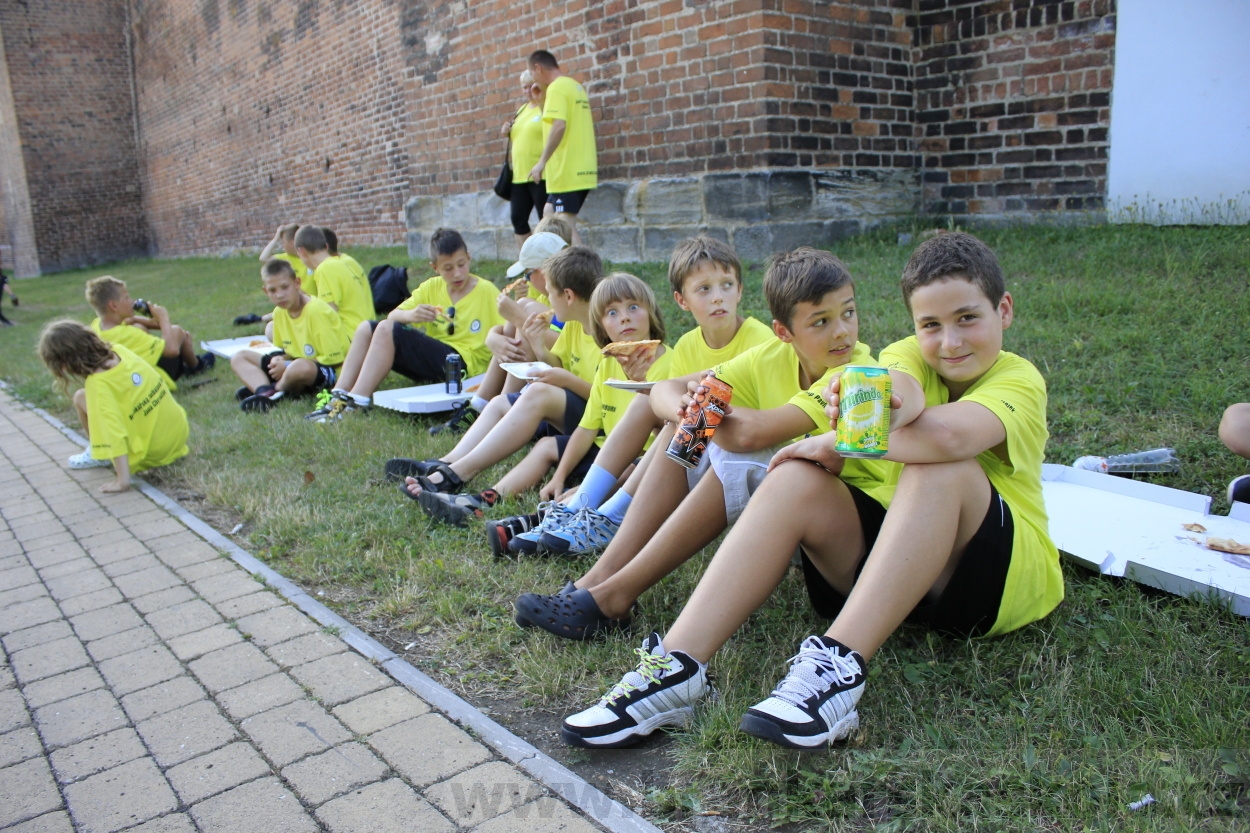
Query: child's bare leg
(512, 384)
(186, 347)
(355, 360)
(1235, 429)
(378, 360)
(818, 511)
(492, 382)
(530, 471)
(298, 375)
(695, 524)
(80, 405)
(486, 420)
(628, 437)
(246, 365)
(936, 510)
(514, 430)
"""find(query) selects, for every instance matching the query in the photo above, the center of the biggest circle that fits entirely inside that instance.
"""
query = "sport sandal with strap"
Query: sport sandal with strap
(398, 468)
(450, 484)
(569, 615)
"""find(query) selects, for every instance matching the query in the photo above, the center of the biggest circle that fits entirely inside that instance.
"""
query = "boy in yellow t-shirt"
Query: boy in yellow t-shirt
(309, 335)
(171, 351)
(345, 289)
(282, 246)
(963, 548)
(449, 313)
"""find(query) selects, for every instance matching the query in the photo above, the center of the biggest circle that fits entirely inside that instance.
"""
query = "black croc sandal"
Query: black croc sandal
(569, 615)
(397, 468)
(451, 483)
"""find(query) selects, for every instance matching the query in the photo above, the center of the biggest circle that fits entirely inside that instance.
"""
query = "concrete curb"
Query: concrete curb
(574, 789)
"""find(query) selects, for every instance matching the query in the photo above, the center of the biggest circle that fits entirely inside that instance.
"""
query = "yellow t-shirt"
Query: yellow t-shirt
(578, 352)
(140, 341)
(317, 333)
(692, 355)
(575, 164)
(339, 284)
(476, 313)
(1015, 392)
(607, 404)
(307, 281)
(767, 376)
(131, 412)
(354, 265)
(527, 142)
(533, 294)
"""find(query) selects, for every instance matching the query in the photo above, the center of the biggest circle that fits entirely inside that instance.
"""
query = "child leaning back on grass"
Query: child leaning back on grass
(963, 547)
(125, 407)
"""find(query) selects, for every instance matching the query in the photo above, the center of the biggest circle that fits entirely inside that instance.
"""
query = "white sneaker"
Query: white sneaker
(815, 704)
(84, 460)
(662, 691)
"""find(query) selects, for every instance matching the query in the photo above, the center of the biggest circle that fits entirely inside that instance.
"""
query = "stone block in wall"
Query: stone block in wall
(790, 194)
(423, 212)
(492, 211)
(864, 194)
(658, 241)
(622, 244)
(756, 243)
(668, 202)
(505, 243)
(481, 242)
(419, 245)
(605, 206)
(739, 198)
(460, 212)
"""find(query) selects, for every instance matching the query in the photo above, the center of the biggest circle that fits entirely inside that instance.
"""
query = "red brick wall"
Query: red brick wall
(1013, 104)
(69, 72)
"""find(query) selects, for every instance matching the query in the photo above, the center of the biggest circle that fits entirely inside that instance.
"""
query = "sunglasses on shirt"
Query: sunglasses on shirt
(451, 320)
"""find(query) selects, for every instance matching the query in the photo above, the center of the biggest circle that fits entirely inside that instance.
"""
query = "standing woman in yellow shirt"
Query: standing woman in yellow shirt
(526, 134)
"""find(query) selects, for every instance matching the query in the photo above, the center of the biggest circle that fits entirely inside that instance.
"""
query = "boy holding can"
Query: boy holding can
(775, 399)
(963, 548)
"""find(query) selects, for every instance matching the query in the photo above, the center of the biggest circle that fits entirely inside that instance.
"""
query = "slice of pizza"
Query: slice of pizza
(622, 349)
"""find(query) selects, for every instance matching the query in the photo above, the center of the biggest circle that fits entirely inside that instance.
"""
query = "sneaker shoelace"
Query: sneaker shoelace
(587, 529)
(805, 680)
(323, 398)
(651, 669)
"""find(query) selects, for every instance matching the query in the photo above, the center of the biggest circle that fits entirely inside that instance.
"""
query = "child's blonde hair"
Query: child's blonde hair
(71, 351)
(557, 226)
(102, 290)
(618, 287)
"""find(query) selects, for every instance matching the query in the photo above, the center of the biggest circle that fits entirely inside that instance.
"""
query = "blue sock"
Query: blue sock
(614, 508)
(597, 485)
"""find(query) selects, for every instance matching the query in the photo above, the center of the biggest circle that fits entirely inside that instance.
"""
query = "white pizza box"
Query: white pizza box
(425, 399)
(1136, 530)
(227, 347)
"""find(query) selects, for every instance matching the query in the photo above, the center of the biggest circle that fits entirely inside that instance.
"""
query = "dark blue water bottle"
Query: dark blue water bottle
(454, 373)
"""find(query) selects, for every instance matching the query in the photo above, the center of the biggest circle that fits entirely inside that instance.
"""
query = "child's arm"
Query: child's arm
(562, 378)
(505, 348)
(579, 443)
(534, 329)
(667, 397)
(121, 465)
(274, 244)
(420, 314)
(167, 329)
(947, 433)
(746, 429)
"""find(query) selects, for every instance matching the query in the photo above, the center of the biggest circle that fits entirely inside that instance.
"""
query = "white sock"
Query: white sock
(362, 400)
(614, 508)
(477, 403)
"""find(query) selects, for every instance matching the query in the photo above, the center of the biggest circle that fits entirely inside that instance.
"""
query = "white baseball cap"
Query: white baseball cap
(535, 251)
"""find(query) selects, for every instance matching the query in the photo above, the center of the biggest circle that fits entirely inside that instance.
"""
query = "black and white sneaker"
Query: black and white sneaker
(462, 416)
(1239, 489)
(815, 704)
(661, 691)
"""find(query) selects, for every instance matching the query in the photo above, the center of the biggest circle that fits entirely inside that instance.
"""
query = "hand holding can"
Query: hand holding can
(711, 400)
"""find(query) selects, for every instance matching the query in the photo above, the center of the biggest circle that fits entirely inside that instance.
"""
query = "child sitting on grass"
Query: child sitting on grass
(345, 289)
(282, 246)
(962, 549)
(125, 407)
(448, 313)
(776, 399)
(622, 309)
(310, 335)
(706, 280)
(172, 352)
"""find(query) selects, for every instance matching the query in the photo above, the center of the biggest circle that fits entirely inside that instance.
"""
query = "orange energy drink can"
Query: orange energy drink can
(863, 412)
(711, 399)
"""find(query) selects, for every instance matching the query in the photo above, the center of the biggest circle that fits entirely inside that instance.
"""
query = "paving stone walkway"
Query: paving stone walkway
(149, 683)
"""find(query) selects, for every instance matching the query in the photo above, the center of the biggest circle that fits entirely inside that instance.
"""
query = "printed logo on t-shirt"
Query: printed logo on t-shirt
(308, 350)
(475, 326)
(136, 378)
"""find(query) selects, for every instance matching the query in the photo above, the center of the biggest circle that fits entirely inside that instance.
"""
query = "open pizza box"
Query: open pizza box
(1136, 530)
(226, 347)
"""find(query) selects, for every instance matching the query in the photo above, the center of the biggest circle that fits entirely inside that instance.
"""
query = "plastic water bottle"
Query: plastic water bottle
(1139, 462)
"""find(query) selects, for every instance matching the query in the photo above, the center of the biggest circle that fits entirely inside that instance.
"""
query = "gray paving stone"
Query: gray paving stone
(54, 552)
(305, 649)
(140, 669)
(481, 793)
(38, 635)
(28, 614)
(217, 589)
(62, 687)
(151, 580)
(126, 566)
(262, 806)
(12, 710)
(546, 815)
(340, 678)
(217, 772)
(18, 576)
(428, 748)
(186, 733)
(191, 645)
(147, 530)
(381, 710)
(162, 697)
(7, 680)
(173, 823)
(104, 525)
(389, 807)
(109, 551)
(260, 695)
(120, 797)
(105, 622)
(28, 790)
(277, 625)
(184, 550)
(319, 778)
(290, 732)
(231, 667)
(249, 604)
(22, 594)
(147, 513)
(76, 584)
(48, 659)
(188, 617)
(203, 569)
(67, 568)
(18, 745)
(91, 601)
(78, 718)
(96, 755)
(153, 602)
(57, 822)
(121, 643)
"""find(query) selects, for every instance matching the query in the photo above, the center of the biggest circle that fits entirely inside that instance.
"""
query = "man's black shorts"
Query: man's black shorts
(420, 357)
(574, 407)
(570, 202)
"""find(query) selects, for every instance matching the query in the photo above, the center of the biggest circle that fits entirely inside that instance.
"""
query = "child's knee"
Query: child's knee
(547, 450)
(1235, 429)
(80, 399)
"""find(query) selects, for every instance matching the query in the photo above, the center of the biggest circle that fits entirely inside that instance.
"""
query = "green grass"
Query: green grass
(1141, 335)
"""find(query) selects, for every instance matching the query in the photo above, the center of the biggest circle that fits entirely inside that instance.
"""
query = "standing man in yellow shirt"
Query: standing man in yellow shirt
(569, 165)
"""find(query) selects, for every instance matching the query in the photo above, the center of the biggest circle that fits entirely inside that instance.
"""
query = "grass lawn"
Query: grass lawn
(1122, 691)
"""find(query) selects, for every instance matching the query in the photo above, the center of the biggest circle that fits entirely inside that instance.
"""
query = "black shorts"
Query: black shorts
(570, 202)
(574, 407)
(969, 604)
(421, 358)
(171, 365)
(578, 474)
(324, 380)
(526, 197)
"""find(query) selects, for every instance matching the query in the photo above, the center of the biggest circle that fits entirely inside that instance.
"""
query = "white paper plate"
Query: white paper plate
(625, 384)
(524, 370)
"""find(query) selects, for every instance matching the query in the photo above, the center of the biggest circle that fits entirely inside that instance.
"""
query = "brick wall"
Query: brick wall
(69, 72)
(1013, 104)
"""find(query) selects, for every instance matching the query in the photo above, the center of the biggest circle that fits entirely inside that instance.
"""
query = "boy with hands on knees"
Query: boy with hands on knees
(963, 547)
